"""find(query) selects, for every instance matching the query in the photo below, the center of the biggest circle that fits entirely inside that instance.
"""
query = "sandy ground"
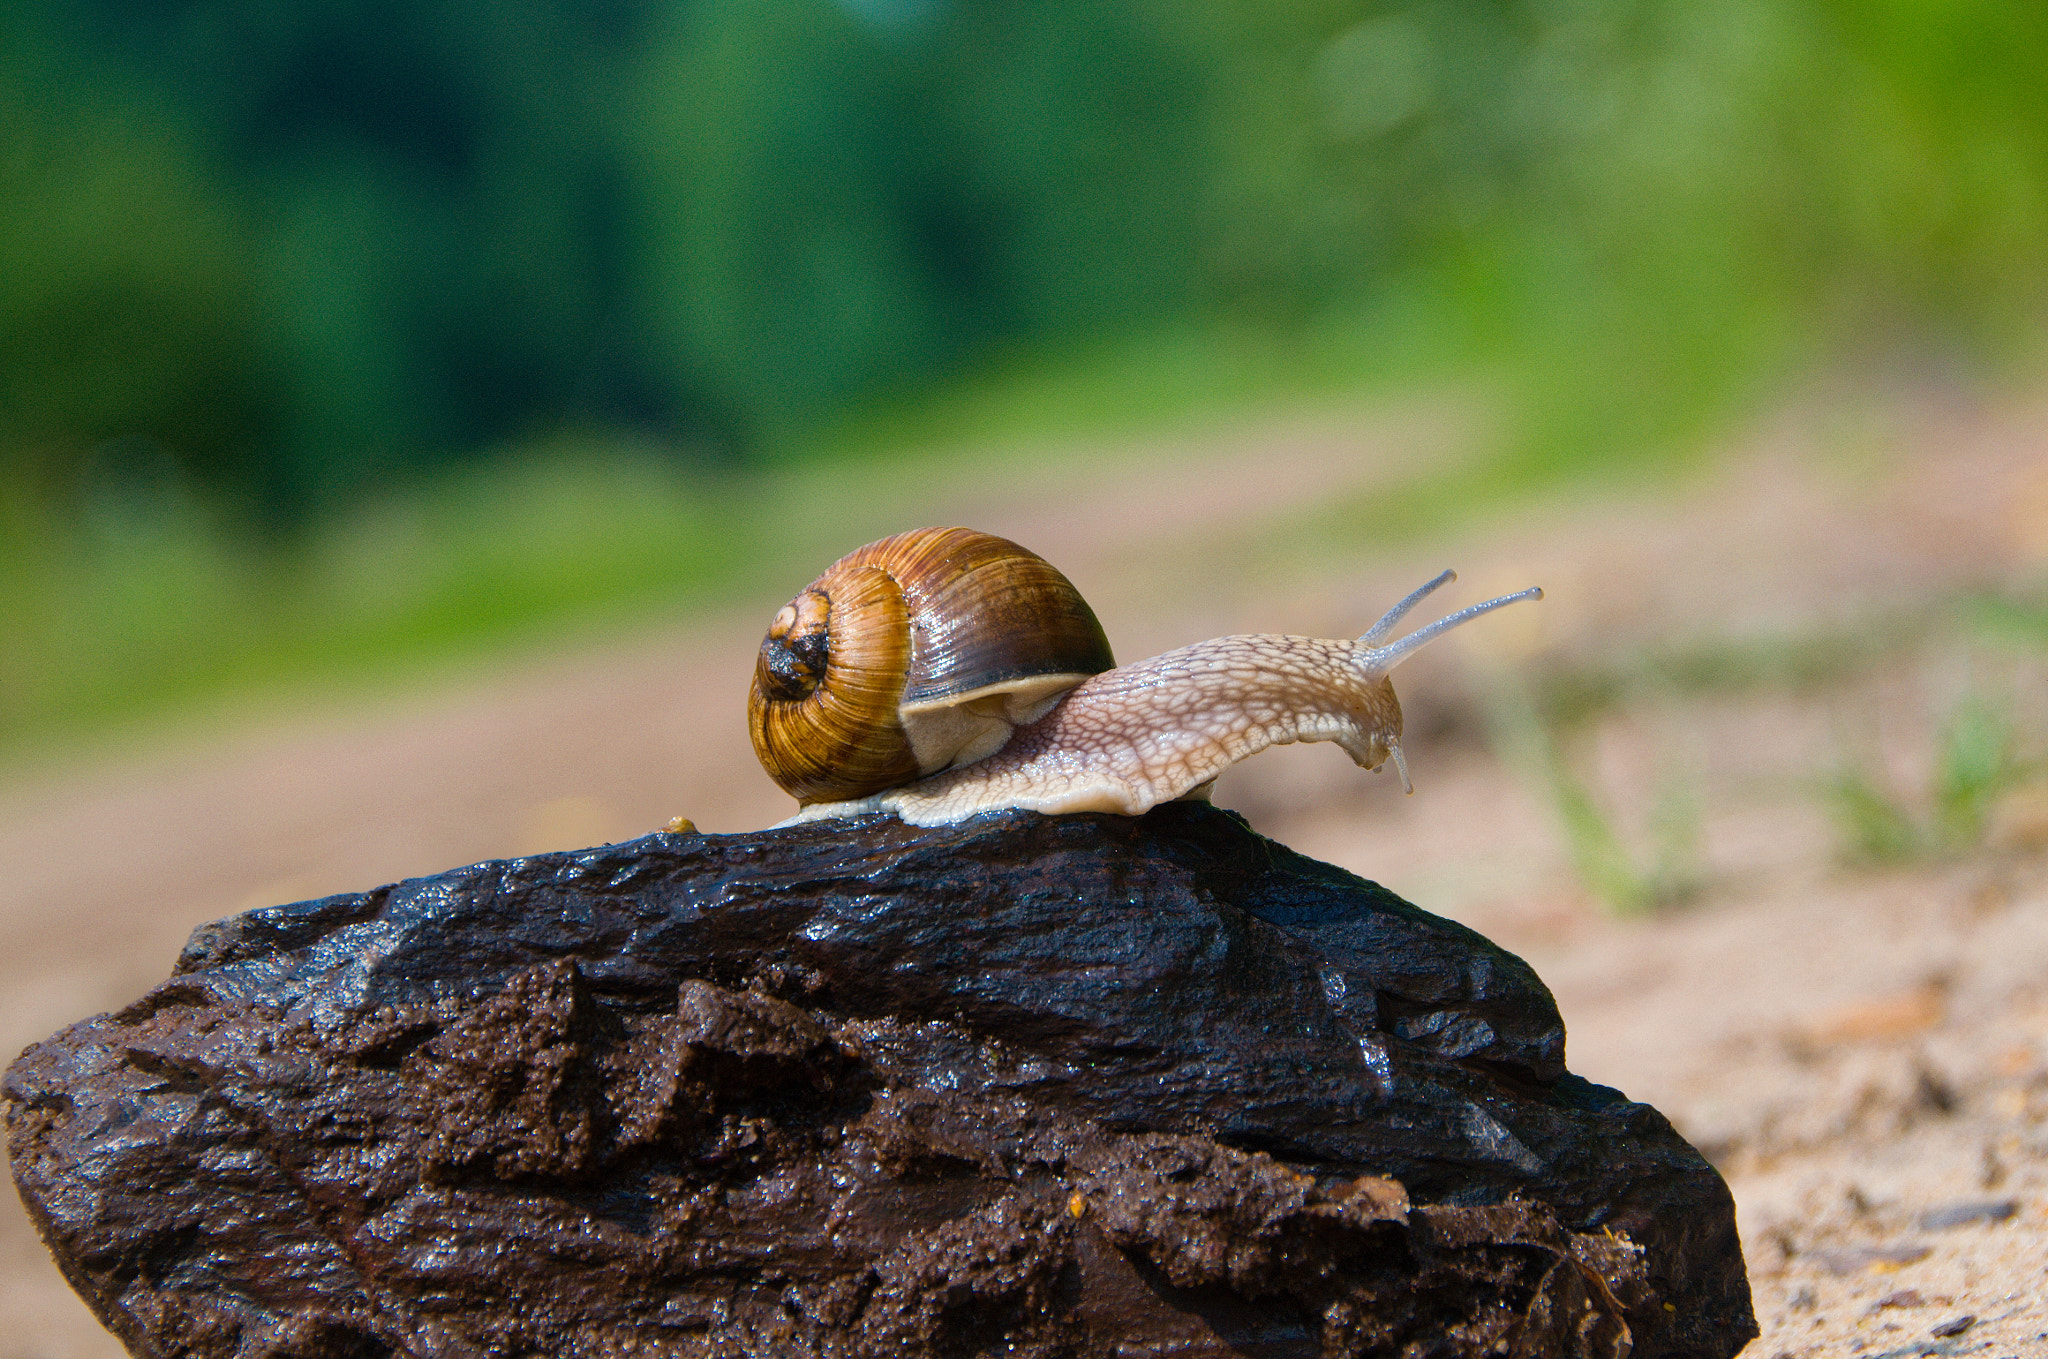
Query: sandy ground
(1862, 1050)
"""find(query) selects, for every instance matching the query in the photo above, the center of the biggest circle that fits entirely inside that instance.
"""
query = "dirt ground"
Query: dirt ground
(1861, 1048)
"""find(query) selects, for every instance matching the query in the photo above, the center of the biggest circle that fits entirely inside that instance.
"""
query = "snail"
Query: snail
(943, 672)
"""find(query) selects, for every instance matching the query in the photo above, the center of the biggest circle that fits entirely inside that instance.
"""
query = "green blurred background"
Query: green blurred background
(340, 332)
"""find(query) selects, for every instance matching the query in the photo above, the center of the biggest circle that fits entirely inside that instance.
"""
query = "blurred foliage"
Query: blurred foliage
(265, 268)
(290, 246)
(1914, 781)
(1977, 760)
(1648, 867)
(1990, 743)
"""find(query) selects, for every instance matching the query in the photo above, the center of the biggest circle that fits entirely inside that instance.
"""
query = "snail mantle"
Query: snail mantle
(1051, 1087)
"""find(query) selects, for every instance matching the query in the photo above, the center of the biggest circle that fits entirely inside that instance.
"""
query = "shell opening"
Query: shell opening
(963, 728)
(1378, 660)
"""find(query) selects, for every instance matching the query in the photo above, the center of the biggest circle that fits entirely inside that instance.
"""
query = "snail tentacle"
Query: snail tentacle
(1385, 658)
(1400, 611)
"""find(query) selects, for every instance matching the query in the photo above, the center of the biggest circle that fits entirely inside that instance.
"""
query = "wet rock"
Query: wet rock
(1077, 1086)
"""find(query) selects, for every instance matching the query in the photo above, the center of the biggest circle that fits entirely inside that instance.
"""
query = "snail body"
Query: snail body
(1126, 739)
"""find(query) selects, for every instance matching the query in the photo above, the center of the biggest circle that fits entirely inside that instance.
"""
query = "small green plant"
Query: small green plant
(1977, 760)
(1875, 826)
(1625, 879)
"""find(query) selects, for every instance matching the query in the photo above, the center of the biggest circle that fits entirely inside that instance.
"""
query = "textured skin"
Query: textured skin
(1131, 738)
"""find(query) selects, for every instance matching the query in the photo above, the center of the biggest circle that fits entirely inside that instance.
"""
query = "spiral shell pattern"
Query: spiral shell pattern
(912, 655)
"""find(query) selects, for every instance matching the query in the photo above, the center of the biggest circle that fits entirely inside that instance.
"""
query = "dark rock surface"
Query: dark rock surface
(1077, 1086)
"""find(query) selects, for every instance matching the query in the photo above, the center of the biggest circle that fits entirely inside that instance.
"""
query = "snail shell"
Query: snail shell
(913, 655)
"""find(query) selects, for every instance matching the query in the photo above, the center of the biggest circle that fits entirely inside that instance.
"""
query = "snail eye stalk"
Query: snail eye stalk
(1379, 660)
(1378, 632)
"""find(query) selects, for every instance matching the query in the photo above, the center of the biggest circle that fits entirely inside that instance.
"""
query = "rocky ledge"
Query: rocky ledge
(1033, 1086)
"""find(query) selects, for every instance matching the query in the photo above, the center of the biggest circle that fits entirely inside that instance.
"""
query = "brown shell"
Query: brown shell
(911, 655)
